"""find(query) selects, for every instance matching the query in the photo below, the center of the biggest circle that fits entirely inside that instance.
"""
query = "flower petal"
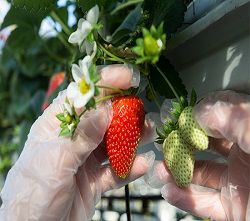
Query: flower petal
(76, 72)
(93, 15)
(76, 37)
(72, 90)
(79, 24)
(89, 47)
(86, 28)
(94, 50)
(86, 74)
(86, 61)
(81, 101)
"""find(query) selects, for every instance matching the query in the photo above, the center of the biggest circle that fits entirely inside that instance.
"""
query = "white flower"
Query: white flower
(89, 47)
(84, 28)
(82, 89)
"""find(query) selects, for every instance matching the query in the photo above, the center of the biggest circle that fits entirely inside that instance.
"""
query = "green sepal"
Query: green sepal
(93, 74)
(139, 42)
(161, 133)
(138, 50)
(61, 117)
(159, 140)
(183, 102)
(193, 98)
(63, 124)
(91, 104)
(97, 91)
(65, 132)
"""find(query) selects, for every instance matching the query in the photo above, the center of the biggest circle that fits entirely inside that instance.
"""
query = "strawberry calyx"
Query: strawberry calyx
(171, 122)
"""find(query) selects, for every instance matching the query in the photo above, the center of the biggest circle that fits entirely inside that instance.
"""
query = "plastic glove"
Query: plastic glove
(220, 191)
(56, 178)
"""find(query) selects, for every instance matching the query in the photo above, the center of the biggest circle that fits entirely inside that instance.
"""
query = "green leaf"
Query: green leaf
(35, 6)
(128, 25)
(19, 17)
(88, 4)
(161, 86)
(171, 12)
(21, 38)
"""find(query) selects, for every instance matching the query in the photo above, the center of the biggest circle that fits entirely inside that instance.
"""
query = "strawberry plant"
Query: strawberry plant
(135, 33)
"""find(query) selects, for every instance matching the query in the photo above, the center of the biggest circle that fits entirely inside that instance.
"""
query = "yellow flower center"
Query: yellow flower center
(84, 87)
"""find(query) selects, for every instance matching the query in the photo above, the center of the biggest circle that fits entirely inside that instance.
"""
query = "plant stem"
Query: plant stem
(110, 88)
(168, 82)
(126, 4)
(82, 113)
(101, 99)
(153, 93)
(61, 38)
(59, 20)
(111, 54)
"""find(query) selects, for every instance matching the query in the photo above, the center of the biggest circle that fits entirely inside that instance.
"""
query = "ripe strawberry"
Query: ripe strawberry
(55, 81)
(124, 133)
(179, 158)
(191, 132)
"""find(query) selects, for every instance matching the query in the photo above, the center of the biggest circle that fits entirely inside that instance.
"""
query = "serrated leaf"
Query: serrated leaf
(193, 98)
(171, 12)
(20, 17)
(35, 6)
(172, 75)
(128, 25)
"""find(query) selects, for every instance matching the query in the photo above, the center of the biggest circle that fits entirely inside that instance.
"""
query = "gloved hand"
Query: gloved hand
(56, 178)
(220, 191)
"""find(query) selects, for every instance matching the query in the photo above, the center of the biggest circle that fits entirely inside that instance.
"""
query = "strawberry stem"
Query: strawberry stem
(169, 83)
(101, 99)
(59, 20)
(114, 57)
(110, 88)
(151, 88)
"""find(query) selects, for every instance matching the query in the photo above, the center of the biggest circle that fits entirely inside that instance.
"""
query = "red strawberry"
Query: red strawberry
(124, 133)
(55, 81)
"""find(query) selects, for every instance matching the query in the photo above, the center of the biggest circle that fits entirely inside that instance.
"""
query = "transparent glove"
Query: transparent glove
(56, 178)
(220, 189)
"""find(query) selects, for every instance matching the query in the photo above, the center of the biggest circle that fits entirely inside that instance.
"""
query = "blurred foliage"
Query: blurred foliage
(28, 60)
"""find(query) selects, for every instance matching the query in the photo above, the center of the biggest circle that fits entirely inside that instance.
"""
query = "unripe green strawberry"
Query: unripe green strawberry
(179, 158)
(151, 46)
(124, 133)
(190, 131)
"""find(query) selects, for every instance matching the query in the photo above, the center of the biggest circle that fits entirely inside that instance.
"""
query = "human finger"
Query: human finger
(226, 114)
(109, 180)
(197, 200)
